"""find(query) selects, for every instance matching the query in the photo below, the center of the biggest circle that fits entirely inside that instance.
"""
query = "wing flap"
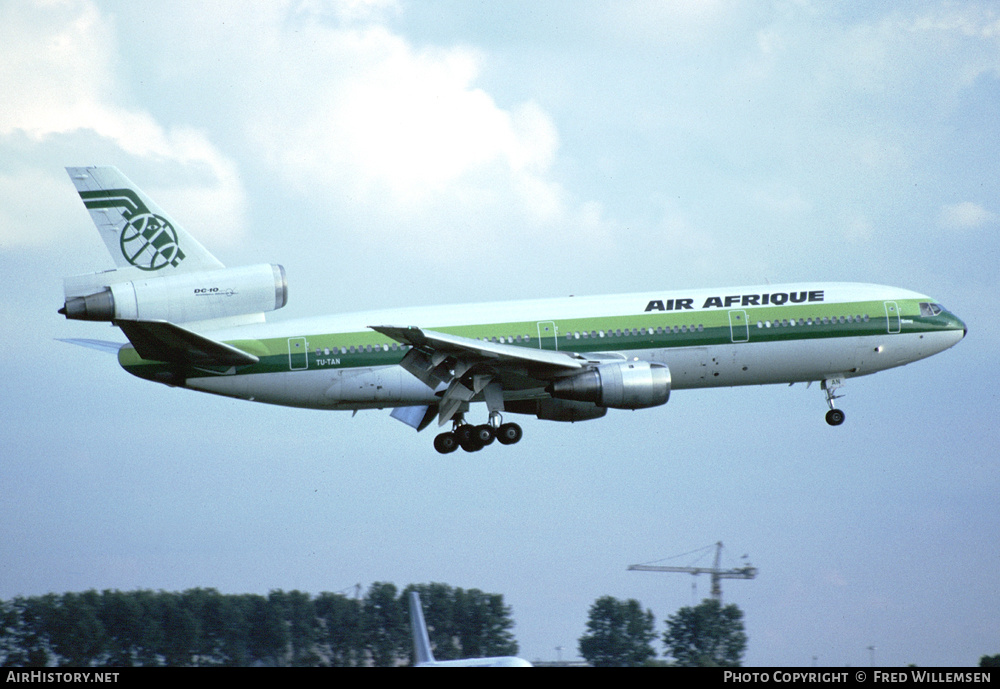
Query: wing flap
(471, 367)
(165, 341)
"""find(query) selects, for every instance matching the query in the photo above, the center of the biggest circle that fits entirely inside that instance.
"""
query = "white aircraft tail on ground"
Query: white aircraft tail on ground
(422, 645)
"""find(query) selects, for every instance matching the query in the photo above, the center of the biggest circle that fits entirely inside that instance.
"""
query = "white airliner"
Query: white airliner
(422, 645)
(193, 323)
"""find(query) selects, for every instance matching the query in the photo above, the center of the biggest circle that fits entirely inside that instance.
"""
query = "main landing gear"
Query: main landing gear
(835, 416)
(474, 438)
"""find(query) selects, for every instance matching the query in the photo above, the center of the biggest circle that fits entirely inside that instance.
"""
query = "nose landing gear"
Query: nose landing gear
(835, 416)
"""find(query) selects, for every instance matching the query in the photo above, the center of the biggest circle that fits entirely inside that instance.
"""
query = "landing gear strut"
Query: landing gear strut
(835, 416)
(474, 438)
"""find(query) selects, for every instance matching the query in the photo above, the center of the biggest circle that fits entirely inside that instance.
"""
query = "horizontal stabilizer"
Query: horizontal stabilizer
(164, 341)
(100, 345)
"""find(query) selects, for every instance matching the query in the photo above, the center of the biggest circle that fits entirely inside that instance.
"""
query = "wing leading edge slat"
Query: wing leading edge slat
(480, 350)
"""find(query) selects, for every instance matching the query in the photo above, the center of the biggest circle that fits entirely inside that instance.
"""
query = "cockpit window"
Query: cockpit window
(927, 309)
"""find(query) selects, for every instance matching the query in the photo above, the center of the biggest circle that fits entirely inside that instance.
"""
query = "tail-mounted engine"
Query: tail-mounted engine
(184, 298)
(625, 385)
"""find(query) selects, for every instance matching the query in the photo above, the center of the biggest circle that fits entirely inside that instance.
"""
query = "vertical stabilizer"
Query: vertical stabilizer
(137, 232)
(421, 641)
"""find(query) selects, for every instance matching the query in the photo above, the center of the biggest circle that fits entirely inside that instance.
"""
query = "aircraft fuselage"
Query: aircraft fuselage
(707, 338)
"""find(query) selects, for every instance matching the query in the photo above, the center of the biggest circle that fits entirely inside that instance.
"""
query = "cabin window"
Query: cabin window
(928, 309)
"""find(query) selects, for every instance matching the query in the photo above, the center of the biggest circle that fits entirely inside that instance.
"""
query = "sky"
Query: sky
(393, 154)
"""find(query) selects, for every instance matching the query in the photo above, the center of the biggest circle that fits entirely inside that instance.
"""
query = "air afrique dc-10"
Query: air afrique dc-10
(193, 323)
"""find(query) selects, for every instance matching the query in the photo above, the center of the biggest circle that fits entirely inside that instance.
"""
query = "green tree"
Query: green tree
(383, 626)
(618, 634)
(75, 632)
(990, 661)
(707, 635)
(340, 637)
(484, 624)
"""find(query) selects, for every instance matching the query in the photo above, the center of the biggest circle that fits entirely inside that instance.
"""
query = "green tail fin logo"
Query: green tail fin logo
(148, 241)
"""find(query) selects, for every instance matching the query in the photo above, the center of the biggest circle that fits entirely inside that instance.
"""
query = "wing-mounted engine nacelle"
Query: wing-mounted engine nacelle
(625, 385)
(188, 297)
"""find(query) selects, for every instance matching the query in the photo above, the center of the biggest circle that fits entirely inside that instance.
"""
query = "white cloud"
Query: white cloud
(59, 77)
(405, 130)
(23, 220)
(965, 215)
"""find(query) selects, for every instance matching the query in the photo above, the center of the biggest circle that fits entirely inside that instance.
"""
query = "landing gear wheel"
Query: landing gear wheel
(467, 438)
(445, 443)
(471, 445)
(835, 417)
(509, 433)
(485, 434)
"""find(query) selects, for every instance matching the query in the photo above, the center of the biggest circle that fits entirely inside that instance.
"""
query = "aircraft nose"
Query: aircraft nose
(965, 328)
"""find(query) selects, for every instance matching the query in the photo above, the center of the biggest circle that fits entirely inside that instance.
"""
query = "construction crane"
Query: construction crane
(718, 574)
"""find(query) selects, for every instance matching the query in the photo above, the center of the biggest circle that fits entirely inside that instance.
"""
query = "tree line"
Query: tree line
(621, 634)
(201, 627)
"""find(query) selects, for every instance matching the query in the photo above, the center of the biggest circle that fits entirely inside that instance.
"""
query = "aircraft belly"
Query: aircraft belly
(881, 352)
(287, 388)
(378, 386)
(762, 363)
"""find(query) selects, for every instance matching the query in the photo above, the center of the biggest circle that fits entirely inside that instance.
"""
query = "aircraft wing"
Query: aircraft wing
(465, 347)
(470, 366)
